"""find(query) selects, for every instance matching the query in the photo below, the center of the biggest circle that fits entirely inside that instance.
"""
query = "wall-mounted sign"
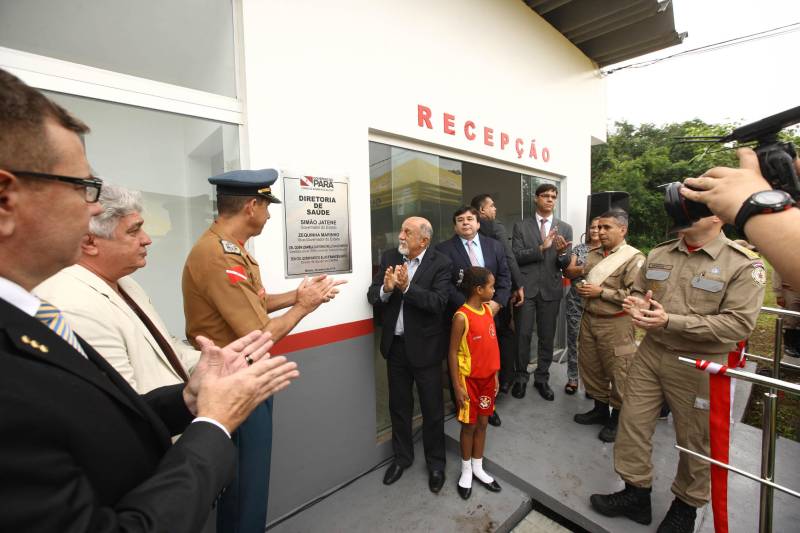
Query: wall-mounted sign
(317, 222)
(523, 147)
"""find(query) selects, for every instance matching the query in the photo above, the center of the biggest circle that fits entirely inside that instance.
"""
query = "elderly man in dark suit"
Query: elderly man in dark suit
(80, 450)
(465, 249)
(506, 336)
(538, 242)
(410, 291)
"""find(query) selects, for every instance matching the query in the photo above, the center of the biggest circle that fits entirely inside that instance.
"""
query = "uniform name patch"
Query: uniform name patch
(236, 274)
(657, 274)
(710, 285)
(229, 248)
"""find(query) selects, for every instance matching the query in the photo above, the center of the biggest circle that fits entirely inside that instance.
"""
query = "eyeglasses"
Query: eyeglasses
(91, 184)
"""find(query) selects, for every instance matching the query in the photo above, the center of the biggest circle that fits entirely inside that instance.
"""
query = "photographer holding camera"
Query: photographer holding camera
(726, 190)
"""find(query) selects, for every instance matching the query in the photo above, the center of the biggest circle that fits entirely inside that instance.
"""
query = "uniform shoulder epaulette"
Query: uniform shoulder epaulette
(750, 254)
(229, 248)
(665, 243)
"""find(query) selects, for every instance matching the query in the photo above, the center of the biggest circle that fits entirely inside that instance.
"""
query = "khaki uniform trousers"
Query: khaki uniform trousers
(606, 347)
(656, 375)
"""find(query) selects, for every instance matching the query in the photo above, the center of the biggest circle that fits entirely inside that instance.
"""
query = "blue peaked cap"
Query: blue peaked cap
(247, 183)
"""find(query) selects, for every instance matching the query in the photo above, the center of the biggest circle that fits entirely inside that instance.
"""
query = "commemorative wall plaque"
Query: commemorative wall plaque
(317, 222)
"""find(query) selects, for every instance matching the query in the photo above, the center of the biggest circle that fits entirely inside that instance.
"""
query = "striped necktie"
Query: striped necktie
(53, 319)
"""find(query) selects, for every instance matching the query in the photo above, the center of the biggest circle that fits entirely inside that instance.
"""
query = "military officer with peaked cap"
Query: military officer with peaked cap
(222, 296)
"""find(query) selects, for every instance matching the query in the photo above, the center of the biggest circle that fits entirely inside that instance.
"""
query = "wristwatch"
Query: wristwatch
(762, 202)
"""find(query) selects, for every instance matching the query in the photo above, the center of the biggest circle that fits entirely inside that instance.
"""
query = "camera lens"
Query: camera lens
(683, 212)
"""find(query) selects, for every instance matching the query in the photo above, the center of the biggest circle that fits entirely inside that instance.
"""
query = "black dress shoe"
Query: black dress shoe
(494, 420)
(504, 387)
(464, 493)
(545, 391)
(491, 487)
(518, 390)
(436, 480)
(392, 474)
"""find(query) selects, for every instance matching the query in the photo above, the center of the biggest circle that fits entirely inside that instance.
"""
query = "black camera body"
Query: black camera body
(775, 159)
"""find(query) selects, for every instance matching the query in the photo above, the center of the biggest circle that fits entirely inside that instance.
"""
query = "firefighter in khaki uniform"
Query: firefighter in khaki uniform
(223, 296)
(696, 297)
(606, 342)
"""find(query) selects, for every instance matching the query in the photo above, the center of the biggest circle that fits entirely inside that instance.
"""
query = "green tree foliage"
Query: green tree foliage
(639, 159)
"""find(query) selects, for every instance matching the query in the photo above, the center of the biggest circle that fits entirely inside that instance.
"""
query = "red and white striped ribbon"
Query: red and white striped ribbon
(711, 367)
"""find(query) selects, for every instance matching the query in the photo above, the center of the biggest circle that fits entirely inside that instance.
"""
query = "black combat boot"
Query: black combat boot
(609, 431)
(679, 518)
(632, 502)
(598, 415)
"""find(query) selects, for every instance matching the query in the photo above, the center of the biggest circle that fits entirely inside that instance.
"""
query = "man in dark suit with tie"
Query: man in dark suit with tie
(410, 291)
(506, 336)
(465, 249)
(79, 449)
(537, 243)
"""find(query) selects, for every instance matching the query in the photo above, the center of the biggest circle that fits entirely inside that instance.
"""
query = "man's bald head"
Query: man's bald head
(415, 236)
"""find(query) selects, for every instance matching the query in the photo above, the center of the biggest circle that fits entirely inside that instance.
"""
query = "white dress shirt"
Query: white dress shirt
(547, 225)
(19, 297)
(476, 248)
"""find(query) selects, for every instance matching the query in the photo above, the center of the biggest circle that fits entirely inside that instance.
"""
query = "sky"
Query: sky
(742, 83)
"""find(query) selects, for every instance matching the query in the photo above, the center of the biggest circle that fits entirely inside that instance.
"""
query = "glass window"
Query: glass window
(529, 185)
(131, 37)
(406, 183)
(169, 159)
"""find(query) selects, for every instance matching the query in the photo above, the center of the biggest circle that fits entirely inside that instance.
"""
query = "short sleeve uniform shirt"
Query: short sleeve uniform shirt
(223, 297)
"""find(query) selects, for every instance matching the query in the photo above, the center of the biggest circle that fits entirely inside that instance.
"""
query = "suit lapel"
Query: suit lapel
(535, 229)
(423, 265)
(488, 255)
(461, 250)
(116, 300)
(122, 386)
(132, 289)
(22, 329)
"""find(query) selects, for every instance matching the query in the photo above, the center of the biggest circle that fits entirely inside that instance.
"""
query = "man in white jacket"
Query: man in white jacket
(106, 307)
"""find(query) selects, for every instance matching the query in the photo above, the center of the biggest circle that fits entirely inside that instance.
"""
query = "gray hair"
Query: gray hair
(425, 229)
(117, 202)
(619, 215)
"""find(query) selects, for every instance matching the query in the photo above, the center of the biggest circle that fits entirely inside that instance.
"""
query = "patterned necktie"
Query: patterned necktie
(53, 319)
(542, 229)
(473, 259)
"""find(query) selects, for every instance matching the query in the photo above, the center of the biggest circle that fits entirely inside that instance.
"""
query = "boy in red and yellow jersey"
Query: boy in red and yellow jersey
(474, 359)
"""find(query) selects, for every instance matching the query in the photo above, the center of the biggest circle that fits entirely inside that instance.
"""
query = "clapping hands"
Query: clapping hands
(395, 278)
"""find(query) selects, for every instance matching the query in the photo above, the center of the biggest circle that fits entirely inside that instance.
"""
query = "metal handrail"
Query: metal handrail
(769, 360)
(739, 471)
(758, 379)
(769, 422)
(780, 312)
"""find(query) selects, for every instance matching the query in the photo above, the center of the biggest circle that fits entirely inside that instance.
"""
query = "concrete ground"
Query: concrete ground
(369, 506)
(540, 454)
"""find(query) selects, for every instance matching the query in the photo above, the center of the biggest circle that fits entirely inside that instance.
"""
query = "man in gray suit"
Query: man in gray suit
(537, 243)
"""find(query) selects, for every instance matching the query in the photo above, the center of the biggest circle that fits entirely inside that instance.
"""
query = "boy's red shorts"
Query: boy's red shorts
(481, 393)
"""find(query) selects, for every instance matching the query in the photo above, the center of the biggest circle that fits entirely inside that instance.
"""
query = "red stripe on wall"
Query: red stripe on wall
(322, 336)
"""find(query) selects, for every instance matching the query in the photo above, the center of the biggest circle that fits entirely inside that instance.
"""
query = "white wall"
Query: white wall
(320, 75)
